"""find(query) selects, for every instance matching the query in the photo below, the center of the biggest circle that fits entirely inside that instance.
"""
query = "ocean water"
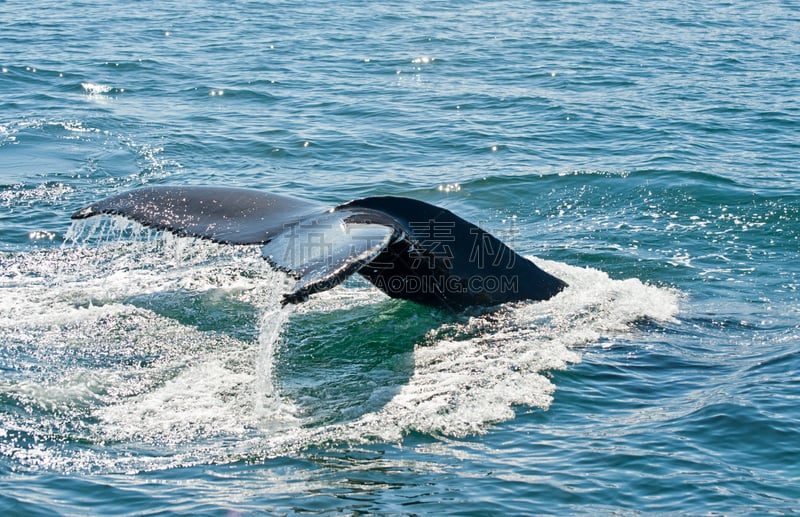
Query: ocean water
(646, 152)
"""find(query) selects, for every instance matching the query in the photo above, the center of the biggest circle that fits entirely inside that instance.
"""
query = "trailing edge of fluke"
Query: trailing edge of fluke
(407, 248)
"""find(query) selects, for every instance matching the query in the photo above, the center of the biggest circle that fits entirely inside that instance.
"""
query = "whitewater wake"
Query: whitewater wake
(156, 352)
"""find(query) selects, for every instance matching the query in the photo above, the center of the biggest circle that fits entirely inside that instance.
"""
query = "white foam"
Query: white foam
(96, 89)
(98, 342)
(79, 332)
(461, 387)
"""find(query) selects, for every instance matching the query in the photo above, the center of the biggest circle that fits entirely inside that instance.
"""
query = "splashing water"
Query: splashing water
(270, 407)
(468, 376)
(161, 351)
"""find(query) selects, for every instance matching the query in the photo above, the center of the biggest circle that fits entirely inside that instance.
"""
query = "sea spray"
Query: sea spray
(269, 406)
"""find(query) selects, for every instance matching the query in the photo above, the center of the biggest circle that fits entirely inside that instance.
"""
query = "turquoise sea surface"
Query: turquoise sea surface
(646, 152)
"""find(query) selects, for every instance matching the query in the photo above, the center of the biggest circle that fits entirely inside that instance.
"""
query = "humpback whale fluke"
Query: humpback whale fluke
(407, 248)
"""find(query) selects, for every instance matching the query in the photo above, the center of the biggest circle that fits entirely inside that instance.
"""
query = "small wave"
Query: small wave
(48, 158)
(96, 89)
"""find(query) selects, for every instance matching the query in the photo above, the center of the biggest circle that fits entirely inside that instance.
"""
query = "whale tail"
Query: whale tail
(407, 248)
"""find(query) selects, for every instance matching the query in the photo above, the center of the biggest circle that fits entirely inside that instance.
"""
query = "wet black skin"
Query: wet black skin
(434, 257)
